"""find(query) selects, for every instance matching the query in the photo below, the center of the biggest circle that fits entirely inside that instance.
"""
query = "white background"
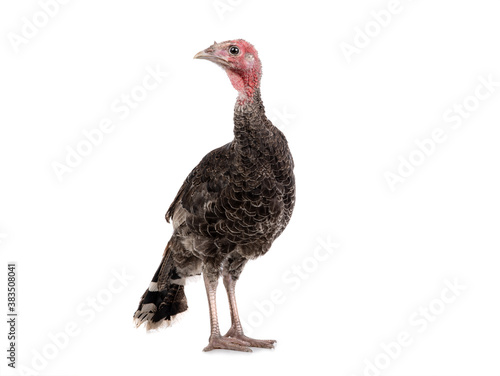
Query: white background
(346, 122)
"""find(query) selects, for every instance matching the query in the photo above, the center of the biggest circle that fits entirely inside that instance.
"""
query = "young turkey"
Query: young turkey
(230, 208)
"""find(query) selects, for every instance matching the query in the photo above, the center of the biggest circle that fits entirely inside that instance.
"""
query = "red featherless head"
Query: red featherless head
(240, 61)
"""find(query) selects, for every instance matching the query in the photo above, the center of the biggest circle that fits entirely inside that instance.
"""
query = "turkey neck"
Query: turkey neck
(253, 132)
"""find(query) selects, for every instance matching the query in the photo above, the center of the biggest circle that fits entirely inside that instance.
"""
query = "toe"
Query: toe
(225, 343)
(262, 343)
(238, 341)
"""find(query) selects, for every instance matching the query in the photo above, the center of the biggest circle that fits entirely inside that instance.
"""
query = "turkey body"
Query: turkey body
(237, 201)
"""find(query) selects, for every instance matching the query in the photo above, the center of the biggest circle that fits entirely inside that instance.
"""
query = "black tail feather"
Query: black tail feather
(164, 298)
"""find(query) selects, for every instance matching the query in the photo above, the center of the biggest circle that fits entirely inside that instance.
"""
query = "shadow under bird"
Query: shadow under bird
(230, 208)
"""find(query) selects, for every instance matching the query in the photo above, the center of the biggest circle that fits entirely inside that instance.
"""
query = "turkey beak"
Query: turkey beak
(209, 54)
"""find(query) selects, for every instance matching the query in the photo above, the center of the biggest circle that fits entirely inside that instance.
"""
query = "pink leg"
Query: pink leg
(216, 341)
(236, 330)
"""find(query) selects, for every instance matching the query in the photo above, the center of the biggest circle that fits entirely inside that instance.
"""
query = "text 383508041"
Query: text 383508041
(11, 315)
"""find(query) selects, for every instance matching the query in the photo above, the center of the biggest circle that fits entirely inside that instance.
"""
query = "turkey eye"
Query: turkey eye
(233, 50)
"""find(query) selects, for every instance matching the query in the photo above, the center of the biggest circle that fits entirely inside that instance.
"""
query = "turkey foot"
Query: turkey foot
(263, 343)
(227, 343)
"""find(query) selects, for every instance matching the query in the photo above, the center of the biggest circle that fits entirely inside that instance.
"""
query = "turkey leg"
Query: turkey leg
(236, 331)
(216, 341)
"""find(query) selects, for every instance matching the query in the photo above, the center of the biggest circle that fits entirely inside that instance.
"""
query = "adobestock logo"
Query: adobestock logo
(31, 27)
(454, 117)
(87, 311)
(418, 322)
(122, 107)
(363, 36)
(281, 119)
(293, 278)
(221, 7)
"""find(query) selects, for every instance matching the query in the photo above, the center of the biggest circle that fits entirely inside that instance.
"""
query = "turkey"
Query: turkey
(229, 210)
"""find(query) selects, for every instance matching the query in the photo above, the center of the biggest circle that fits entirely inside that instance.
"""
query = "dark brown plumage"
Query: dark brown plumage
(230, 209)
